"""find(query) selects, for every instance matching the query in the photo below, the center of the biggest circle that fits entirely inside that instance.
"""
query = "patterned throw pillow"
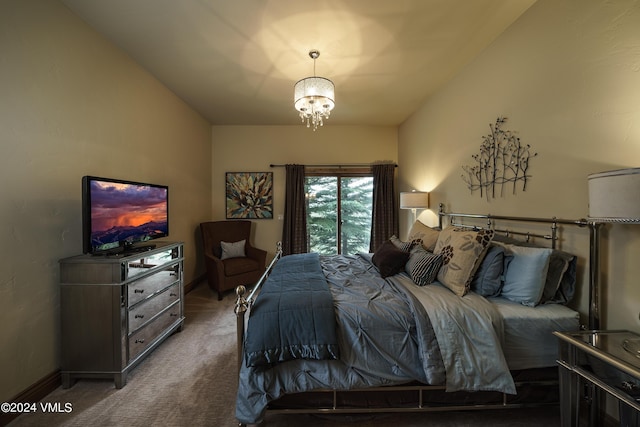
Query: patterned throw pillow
(428, 235)
(404, 246)
(462, 251)
(423, 266)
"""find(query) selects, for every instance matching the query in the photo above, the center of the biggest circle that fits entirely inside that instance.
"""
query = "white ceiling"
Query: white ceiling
(236, 61)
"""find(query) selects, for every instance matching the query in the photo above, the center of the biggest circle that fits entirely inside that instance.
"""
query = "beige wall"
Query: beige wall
(567, 76)
(73, 105)
(254, 148)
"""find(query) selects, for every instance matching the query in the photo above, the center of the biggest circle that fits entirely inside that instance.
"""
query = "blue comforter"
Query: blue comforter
(293, 316)
(386, 337)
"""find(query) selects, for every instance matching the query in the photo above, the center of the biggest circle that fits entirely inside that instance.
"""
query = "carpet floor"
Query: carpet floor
(190, 380)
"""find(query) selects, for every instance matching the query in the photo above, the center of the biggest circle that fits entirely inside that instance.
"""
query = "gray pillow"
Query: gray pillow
(233, 249)
(490, 275)
(561, 279)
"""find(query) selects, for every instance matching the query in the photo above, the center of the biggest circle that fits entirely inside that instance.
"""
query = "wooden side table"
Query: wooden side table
(604, 361)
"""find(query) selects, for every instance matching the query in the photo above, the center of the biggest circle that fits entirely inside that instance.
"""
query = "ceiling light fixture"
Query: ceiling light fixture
(314, 97)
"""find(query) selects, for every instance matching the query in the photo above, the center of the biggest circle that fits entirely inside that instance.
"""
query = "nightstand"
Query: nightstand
(597, 362)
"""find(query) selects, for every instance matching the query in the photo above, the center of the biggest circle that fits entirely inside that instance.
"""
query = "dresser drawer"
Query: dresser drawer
(144, 312)
(147, 286)
(142, 263)
(144, 337)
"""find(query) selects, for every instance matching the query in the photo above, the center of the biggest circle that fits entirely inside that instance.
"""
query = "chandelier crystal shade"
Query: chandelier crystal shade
(314, 97)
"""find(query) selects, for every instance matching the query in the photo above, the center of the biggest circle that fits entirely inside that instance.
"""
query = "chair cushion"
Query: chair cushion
(235, 266)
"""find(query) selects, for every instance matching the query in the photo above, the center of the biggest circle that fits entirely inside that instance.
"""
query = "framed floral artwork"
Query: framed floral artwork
(249, 195)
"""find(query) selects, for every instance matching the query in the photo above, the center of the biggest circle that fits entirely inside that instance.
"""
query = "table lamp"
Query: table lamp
(614, 197)
(414, 200)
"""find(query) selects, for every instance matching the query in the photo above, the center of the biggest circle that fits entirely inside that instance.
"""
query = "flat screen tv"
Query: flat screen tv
(122, 216)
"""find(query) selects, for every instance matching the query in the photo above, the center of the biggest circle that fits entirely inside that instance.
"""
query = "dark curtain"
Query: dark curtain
(294, 233)
(384, 218)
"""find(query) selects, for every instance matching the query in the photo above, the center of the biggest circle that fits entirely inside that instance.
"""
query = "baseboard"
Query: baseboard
(34, 393)
(41, 388)
(194, 283)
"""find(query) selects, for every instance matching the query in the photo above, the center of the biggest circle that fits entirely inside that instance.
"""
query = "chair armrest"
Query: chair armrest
(214, 266)
(259, 255)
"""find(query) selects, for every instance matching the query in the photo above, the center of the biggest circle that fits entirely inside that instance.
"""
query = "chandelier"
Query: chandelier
(314, 97)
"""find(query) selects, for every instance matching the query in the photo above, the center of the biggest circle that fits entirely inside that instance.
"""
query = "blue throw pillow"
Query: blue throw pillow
(489, 276)
(525, 274)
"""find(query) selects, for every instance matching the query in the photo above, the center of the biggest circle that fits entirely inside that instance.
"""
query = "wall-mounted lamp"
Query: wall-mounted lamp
(613, 198)
(414, 200)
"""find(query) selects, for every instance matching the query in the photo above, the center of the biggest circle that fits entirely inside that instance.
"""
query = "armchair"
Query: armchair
(225, 274)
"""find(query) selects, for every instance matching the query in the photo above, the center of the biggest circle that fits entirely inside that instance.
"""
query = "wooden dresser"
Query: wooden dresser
(115, 310)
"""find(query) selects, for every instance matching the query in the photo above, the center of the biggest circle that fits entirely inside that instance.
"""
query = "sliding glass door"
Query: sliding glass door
(339, 212)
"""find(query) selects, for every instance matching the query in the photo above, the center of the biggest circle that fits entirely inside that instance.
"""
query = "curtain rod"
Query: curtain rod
(344, 165)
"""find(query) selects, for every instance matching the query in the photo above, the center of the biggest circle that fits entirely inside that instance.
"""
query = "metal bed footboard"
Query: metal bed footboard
(243, 304)
(421, 403)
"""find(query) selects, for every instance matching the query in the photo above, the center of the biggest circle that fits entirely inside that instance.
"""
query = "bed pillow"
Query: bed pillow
(560, 284)
(561, 279)
(389, 259)
(423, 266)
(525, 274)
(490, 275)
(428, 235)
(232, 249)
(462, 252)
(404, 246)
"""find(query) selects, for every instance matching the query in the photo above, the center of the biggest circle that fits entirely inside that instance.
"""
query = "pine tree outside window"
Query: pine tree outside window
(339, 206)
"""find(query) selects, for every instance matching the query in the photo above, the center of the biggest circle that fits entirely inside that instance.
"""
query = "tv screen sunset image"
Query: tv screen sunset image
(127, 212)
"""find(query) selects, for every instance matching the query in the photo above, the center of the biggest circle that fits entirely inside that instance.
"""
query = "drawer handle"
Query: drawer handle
(628, 386)
(138, 291)
(139, 316)
(173, 295)
(139, 341)
(173, 314)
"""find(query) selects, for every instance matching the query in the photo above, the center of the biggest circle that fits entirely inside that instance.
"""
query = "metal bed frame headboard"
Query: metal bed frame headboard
(491, 223)
(594, 244)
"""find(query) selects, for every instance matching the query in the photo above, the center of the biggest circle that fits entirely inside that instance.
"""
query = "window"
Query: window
(339, 206)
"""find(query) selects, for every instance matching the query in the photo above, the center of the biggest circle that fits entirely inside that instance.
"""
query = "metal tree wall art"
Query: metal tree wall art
(502, 161)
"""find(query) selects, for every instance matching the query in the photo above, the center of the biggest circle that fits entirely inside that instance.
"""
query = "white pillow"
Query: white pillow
(232, 250)
(525, 274)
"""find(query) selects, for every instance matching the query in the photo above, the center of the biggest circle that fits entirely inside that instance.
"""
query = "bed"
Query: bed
(455, 317)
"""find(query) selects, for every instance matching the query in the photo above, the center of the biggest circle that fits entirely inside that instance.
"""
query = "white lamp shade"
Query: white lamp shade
(614, 196)
(314, 94)
(414, 200)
